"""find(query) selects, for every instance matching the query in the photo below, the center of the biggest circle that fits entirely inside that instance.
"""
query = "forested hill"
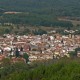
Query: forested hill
(65, 69)
(56, 7)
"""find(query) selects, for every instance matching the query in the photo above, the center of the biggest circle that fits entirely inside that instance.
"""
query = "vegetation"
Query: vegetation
(26, 57)
(39, 32)
(12, 23)
(38, 13)
(48, 7)
(74, 53)
(64, 69)
(34, 20)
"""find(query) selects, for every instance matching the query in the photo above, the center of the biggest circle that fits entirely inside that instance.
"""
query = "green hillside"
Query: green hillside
(40, 12)
(65, 69)
(56, 7)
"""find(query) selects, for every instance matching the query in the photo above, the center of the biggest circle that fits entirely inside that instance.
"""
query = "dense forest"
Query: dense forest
(39, 12)
(64, 69)
(54, 7)
(33, 19)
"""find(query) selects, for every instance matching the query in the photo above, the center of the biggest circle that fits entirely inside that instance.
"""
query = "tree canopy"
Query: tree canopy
(64, 69)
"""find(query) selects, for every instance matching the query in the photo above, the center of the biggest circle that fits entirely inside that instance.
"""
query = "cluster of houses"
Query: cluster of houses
(38, 47)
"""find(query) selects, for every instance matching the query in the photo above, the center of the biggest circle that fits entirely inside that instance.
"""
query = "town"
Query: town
(38, 47)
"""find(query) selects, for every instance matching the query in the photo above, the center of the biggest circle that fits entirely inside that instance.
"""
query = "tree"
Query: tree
(73, 54)
(17, 53)
(26, 57)
(6, 62)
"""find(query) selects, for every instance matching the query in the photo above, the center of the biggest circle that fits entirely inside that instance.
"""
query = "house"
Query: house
(78, 53)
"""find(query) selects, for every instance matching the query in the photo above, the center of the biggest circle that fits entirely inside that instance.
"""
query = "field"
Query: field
(74, 22)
